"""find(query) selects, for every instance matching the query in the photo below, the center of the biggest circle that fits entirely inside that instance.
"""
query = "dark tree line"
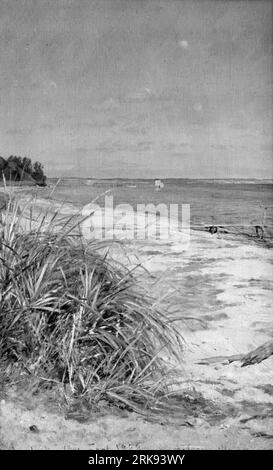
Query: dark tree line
(21, 169)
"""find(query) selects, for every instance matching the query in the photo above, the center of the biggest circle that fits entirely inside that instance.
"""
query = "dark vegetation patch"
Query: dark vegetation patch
(266, 388)
(227, 392)
(216, 317)
(193, 404)
(256, 410)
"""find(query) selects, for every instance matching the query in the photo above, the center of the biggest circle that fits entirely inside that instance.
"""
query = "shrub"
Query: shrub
(71, 315)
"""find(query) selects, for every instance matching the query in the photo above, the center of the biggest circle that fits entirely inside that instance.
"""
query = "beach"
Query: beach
(219, 291)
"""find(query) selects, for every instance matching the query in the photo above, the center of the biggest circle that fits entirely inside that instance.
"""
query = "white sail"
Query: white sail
(159, 184)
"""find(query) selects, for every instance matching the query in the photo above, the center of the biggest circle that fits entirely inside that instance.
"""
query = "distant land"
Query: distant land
(205, 180)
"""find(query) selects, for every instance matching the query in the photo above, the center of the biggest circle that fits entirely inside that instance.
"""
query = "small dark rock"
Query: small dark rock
(33, 428)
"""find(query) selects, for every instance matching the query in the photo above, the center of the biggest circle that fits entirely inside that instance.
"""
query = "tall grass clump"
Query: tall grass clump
(69, 314)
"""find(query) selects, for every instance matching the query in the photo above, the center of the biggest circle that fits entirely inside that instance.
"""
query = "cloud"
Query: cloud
(109, 103)
(143, 94)
(48, 87)
(180, 154)
(175, 147)
(219, 146)
(184, 44)
(266, 147)
(198, 107)
(15, 131)
(136, 130)
(111, 147)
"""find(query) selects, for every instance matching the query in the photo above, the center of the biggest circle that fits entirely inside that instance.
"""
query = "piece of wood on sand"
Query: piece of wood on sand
(255, 356)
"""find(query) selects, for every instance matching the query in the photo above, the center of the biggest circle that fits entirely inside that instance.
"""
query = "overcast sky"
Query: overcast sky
(136, 88)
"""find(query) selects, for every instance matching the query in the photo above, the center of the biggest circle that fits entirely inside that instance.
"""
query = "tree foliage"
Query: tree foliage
(18, 168)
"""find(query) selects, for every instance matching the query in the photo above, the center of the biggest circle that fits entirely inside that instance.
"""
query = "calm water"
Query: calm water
(240, 204)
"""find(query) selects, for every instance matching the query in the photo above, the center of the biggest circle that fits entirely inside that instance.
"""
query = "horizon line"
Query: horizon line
(161, 178)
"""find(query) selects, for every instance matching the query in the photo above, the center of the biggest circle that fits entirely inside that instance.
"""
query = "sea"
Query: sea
(235, 204)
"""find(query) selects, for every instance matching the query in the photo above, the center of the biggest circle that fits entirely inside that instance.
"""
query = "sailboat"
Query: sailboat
(159, 185)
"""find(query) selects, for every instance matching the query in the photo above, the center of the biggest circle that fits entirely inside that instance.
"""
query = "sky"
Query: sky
(136, 88)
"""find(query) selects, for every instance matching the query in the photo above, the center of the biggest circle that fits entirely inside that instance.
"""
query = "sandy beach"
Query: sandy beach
(219, 290)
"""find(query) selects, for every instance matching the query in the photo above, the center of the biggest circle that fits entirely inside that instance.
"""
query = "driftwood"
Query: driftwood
(253, 357)
(220, 229)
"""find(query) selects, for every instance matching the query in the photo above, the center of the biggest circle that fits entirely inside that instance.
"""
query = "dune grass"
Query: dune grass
(70, 315)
